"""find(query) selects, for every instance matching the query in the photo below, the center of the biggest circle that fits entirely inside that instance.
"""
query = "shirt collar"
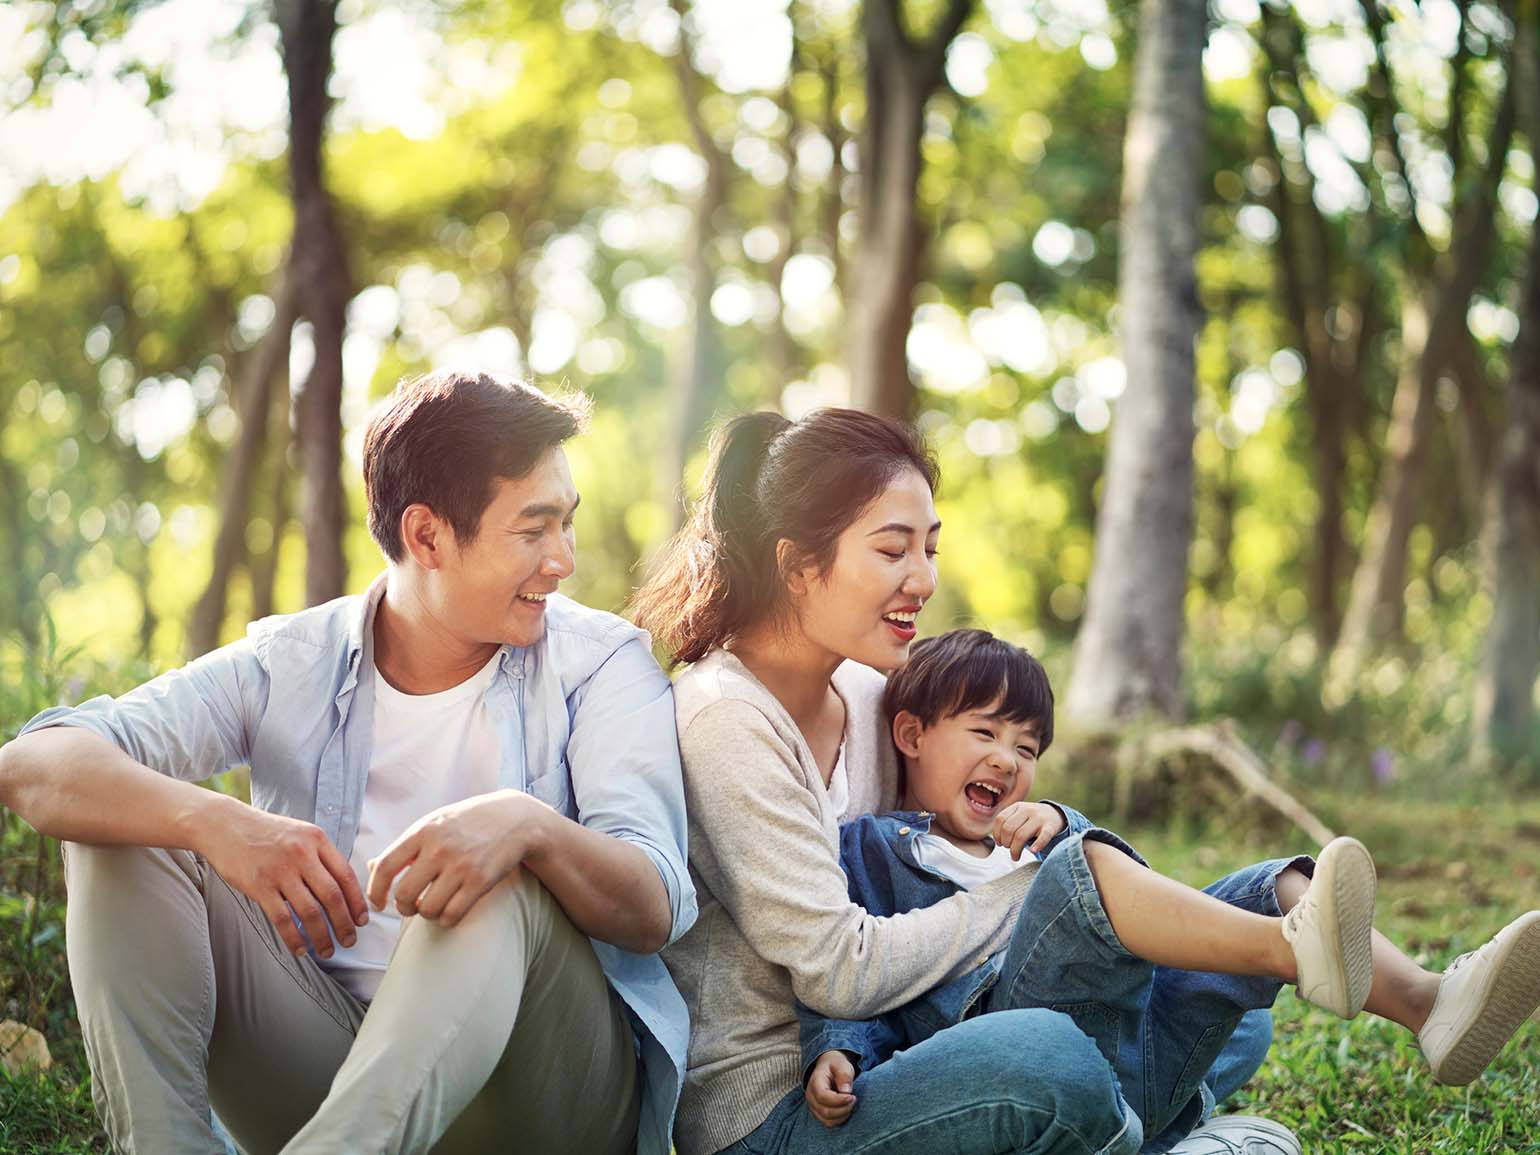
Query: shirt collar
(361, 637)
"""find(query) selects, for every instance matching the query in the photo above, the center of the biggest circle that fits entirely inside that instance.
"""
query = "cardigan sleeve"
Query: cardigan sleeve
(759, 845)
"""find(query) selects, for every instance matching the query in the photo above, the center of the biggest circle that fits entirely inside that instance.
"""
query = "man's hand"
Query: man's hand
(457, 853)
(1027, 825)
(828, 1088)
(274, 860)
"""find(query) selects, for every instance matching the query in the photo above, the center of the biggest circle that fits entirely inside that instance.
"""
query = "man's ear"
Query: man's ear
(907, 731)
(424, 536)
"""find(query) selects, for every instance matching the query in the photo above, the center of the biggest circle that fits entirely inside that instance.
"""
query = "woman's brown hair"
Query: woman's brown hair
(768, 480)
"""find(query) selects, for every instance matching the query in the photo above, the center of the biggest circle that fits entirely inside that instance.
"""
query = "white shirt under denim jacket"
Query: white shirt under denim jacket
(586, 720)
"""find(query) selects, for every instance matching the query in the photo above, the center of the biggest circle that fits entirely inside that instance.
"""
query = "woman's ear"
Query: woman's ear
(907, 732)
(796, 575)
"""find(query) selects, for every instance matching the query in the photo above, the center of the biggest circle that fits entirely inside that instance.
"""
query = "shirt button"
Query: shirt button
(903, 830)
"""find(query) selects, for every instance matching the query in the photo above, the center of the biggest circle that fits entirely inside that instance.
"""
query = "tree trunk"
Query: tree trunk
(1429, 337)
(254, 401)
(1128, 652)
(690, 404)
(901, 76)
(1505, 686)
(318, 269)
(262, 567)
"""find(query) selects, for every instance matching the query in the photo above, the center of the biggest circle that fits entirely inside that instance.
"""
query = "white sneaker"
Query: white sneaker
(1483, 998)
(1330, 930)
(1239, 1135)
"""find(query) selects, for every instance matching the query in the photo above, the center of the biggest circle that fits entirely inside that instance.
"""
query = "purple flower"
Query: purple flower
(1314, 751)
(1382, 765)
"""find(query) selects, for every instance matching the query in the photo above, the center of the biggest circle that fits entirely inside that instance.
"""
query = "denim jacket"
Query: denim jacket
(586, 722)
(885, 877)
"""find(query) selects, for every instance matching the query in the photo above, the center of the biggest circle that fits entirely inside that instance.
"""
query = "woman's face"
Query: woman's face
(884, 570)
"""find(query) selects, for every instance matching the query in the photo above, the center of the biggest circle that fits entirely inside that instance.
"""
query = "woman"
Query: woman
(799, 578)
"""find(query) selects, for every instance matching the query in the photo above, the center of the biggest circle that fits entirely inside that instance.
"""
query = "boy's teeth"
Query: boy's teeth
(533, 597)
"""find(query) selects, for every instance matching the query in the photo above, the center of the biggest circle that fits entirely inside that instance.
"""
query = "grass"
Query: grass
(1450, 876)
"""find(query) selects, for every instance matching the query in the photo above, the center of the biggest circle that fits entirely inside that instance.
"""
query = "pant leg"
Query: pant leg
(187, 996)
(1027, 1082)
(1162, 1029)
(500, 1028)
(1065, 956)
(1194, 1016)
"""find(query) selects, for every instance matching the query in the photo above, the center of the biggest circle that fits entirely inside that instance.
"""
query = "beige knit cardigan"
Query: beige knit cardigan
(776, 923)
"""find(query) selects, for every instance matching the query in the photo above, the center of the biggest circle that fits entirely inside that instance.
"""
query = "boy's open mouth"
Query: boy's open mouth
(983, 796)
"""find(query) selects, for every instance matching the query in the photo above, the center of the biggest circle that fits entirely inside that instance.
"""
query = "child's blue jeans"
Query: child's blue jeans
(1085, 1049)
(1164, 1031)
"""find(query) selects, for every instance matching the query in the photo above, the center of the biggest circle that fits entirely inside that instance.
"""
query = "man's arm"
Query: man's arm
(70, 775)
(619, 874)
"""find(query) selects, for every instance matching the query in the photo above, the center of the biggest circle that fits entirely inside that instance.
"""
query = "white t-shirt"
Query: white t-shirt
(936, 853)
(429, 750)
(839, 786)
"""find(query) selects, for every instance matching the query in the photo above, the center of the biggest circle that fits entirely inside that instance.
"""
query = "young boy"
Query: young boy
(1156, 973)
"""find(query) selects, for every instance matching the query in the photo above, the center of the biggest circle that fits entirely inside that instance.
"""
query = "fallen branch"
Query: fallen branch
(1225, 750)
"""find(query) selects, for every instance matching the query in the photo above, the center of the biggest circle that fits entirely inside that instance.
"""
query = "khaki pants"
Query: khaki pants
(500, 1034)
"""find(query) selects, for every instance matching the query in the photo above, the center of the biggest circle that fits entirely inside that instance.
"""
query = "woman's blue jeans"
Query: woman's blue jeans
(1083, 1048)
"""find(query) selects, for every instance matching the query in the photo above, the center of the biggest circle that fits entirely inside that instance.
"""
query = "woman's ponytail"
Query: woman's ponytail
(712, 568)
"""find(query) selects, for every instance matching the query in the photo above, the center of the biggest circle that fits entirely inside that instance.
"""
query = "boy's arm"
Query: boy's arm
(1074, 823)
(867, 1041)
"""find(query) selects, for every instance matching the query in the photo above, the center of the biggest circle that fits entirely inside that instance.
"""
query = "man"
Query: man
(460, 744)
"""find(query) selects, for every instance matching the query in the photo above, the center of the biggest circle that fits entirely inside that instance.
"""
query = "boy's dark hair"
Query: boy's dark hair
(966, 670)
(442, 438)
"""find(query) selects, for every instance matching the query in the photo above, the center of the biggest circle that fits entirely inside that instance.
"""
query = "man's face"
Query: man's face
(492, 589)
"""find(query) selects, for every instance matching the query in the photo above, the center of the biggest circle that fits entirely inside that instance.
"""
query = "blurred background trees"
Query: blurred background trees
(1309, 315)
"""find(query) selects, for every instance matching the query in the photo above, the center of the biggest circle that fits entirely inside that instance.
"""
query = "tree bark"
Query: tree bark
(1432, 324)
(689, 404)
(1127, 656)
(1505, 686)
(262, 567)
(318, 268)
(901, 76)
(254, 401)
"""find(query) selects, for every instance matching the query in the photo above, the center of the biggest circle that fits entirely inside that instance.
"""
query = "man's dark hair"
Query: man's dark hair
(972, 670)
(443, 438)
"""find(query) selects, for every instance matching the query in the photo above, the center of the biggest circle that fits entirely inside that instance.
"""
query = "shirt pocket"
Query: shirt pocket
(554, 788)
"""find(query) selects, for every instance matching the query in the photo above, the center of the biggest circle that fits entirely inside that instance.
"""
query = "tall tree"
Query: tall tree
(254, 408)
(1128, 652)
(1505, 686)
(318, 268)
(902, 73)
(692, 391)
(1329, 299)
(1433, 320)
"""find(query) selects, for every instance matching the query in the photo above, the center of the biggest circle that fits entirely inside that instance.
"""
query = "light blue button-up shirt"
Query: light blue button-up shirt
(586, 722)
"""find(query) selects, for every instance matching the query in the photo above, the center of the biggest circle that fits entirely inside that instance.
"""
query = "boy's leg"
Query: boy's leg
(501, 1026)
(187, 994)
(1194, 1015)
(1065, 954)
(1025, 1081)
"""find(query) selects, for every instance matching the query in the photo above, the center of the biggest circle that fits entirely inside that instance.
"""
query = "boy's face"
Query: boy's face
(966, 768)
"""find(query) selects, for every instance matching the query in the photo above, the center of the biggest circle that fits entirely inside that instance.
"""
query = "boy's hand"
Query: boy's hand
(828, 1088)
(1027, 826)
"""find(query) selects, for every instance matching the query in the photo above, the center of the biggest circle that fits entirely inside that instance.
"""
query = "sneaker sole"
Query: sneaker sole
(1511, 996)
(1349, 908)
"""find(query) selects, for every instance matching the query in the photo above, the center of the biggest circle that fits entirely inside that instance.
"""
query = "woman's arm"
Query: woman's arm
(758, 845)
